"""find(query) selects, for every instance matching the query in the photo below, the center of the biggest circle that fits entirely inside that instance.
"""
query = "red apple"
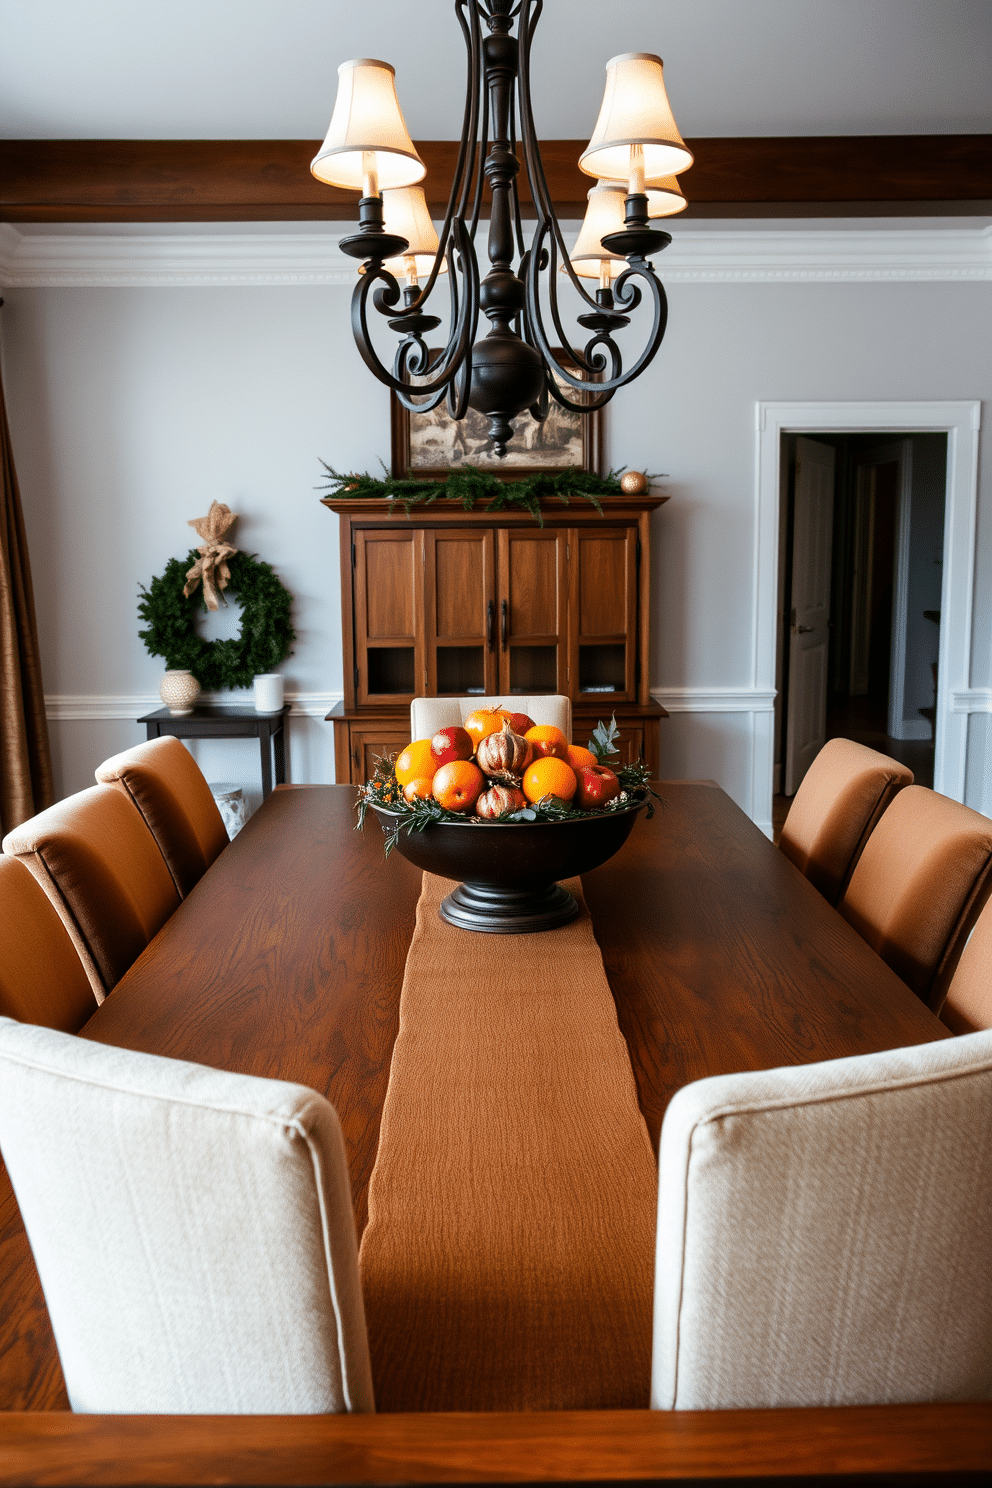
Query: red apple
(452, 743)
(597, 786)
(519, 722)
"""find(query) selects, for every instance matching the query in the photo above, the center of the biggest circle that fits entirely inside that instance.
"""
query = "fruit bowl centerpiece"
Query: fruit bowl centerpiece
(508, 814)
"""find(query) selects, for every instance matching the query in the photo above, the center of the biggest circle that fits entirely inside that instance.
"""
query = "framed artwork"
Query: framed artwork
(429, 445)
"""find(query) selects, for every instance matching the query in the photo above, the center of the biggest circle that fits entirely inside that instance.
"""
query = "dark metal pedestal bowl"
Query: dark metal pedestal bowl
(509, 872)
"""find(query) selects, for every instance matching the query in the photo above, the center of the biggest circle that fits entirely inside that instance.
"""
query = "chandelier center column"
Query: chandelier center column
(507, 374)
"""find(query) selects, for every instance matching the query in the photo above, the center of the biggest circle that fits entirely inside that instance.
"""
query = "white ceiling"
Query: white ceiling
(262, 69)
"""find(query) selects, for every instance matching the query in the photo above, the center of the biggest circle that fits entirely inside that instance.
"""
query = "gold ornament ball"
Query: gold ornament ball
(633, 483)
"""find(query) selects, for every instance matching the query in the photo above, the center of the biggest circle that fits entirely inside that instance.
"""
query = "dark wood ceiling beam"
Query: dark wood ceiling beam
(269, 180)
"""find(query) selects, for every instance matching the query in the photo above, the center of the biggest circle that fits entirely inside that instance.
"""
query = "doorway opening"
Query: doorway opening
(861, 541)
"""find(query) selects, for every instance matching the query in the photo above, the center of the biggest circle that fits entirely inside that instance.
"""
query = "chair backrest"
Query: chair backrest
(428, 714)
(166, 784)
(101, 868)
(919, 887)
(835, 810)
(41, 977)
(823, 1234)
(192, 1229)
(968, 1004)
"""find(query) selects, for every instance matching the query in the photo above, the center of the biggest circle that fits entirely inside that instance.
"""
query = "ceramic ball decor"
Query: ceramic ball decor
(633, 483)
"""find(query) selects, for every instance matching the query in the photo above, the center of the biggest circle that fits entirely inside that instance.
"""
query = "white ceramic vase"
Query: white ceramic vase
(269, 692)
(179, 691)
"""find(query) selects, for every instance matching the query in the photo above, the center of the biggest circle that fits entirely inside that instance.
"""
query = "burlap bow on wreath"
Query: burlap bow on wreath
(214, 553)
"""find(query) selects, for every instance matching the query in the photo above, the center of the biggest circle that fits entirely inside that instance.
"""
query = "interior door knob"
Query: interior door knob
(805, 629)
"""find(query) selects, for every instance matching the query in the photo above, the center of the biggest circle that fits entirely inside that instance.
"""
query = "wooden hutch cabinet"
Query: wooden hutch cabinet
(450, 603)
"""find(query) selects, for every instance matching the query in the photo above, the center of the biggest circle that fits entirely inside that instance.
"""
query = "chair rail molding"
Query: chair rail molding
(125, 260)
(89, 707)
(961, 422)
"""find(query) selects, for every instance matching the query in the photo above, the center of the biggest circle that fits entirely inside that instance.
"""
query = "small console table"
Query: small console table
(213, 722)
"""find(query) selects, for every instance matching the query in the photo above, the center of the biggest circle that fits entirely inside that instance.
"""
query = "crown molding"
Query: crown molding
(715, 699)
(712, 256)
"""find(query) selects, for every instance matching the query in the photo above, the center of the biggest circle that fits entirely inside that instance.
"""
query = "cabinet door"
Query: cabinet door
(603, 613)
(389, 604)
(368, 742)
(532, 590)
(460, 611)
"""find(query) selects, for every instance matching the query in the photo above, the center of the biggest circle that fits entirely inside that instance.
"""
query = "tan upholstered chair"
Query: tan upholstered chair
(968, 1004)
(192, 1229)
(428, 714)
(41, 977)
(835, 810)
(919, 886)
(100, 866)
(165, 783)
(823, 1234)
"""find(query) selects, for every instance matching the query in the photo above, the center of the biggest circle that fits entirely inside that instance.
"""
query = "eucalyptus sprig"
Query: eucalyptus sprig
(469, 485)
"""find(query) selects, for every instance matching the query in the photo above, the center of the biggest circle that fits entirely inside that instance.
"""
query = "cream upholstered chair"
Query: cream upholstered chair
(41, 977)
(919, 886)
(823, 1234)
(192, 1229)
(835, 810)
(101, 868)
(165, 783)
(428, 714)
(968, 1004)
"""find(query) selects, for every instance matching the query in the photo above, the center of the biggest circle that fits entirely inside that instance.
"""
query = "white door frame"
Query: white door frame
(961, 423)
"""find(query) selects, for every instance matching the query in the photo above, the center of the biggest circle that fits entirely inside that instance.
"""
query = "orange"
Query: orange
(415, 763)
(482, 723)
(549, 777)
(421, 788)
(579, 758)
(547, 740)
(458, 785)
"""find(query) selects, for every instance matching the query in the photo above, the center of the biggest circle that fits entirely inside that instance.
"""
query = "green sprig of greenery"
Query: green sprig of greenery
(469, 485)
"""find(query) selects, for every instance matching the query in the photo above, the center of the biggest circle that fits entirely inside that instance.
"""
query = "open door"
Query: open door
(809, 634)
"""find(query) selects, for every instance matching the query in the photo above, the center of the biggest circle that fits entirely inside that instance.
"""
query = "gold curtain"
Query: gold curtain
(25, 759)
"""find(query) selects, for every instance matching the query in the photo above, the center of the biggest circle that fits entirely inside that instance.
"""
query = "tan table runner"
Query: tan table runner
(509, 1255)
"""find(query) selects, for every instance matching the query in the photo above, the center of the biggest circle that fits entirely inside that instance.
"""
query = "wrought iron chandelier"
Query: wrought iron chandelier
(635, 152)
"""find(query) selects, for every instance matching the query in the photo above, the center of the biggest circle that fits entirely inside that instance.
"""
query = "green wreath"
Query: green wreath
(266, 633)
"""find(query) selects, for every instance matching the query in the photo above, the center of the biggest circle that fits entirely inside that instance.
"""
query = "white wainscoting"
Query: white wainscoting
(758, 706)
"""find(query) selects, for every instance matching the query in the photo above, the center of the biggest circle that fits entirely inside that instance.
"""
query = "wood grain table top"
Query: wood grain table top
(287, 961)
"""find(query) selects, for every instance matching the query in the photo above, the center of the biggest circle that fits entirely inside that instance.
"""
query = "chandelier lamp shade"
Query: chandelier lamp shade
(604, 215)
(526, 358)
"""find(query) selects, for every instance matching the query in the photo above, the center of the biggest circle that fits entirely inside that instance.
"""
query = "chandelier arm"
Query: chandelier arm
(480, 158)
(475, 83)
(539, 188)
(458, 398)
(466, 148)
(514, 192)
(532, 302)
(414, 346)
(579, 358)
(454, 352)
(555, 392)
(660, 321)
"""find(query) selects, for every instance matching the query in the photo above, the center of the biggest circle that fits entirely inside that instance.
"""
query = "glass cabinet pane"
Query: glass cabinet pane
(533, 669)
(602, 668)
(391, 670)
(461, 670)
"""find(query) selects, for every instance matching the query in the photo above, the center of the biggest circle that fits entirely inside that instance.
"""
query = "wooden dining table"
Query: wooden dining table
(287, 961)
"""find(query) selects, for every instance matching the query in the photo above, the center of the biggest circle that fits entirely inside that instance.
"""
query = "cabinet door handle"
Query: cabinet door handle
(491, 624)
(504, 622)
